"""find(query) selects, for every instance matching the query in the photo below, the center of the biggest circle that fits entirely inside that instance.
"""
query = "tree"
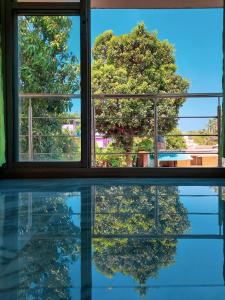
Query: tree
(175, 142)
(47, 66)
(132, 210)
(211, 128)
(137, 63)
(106, 158)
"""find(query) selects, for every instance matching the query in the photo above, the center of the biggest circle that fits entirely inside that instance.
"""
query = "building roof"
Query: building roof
(172, 156)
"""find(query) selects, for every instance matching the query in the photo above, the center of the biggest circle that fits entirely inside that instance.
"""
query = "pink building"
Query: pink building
(101, 141)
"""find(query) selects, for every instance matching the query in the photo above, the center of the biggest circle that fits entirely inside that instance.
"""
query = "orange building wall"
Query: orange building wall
(210, 161)
(207, 161)
(183, 163)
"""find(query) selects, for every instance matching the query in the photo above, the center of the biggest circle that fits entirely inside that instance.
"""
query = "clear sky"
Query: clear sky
(197, 37)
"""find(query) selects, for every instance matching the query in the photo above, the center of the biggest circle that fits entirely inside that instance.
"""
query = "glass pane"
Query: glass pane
(49, 88)
(156, 94)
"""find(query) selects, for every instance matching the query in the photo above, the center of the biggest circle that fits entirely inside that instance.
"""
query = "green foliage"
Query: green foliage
(132, 210)
(106, 158)
(109, 157)
(211, 128)
(143, 144)
(138, 63)
(47, 66)
(175, 142)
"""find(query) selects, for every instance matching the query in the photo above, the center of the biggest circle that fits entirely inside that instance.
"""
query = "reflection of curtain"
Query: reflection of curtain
(2, 129)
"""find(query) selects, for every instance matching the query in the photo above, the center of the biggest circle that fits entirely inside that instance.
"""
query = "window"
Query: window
(156, 85)
(49, 88)
(56, 120)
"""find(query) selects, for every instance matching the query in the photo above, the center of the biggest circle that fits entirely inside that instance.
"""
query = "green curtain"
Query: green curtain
(2, 125)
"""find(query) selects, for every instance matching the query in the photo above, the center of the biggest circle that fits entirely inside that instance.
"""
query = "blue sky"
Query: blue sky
(197, 37)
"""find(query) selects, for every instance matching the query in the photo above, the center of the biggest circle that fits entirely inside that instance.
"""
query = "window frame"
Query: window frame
(83, 169)
(156, 4)
(12, 11)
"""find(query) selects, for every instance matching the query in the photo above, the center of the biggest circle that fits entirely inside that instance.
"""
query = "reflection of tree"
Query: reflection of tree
(134, 210)
(54, 244)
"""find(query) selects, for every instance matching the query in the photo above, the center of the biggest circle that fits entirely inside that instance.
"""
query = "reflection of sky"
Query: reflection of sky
(73, 203)
(197, 37)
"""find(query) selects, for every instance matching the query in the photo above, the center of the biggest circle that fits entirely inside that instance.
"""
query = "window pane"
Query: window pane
(147, 53)
(49, 88)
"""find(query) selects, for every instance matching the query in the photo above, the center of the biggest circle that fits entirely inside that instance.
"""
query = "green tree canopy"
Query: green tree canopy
(137, 63)
(175, 142)
(46, 65)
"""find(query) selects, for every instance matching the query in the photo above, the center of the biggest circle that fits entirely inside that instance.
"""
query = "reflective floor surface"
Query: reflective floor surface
(112, 240)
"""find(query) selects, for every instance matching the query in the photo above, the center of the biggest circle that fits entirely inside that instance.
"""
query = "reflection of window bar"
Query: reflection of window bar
(30, 211)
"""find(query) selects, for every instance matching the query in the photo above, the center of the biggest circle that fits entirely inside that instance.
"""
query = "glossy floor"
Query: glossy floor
(112, 240)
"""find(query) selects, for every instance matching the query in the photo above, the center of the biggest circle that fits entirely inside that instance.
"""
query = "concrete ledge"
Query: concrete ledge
(71, 172)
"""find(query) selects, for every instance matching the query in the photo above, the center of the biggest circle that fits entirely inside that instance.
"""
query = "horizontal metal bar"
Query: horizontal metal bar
(146, 212)
(194, 195)
(135, 153)
(119, 96)
(59, 135)
(116, 153)
(166, 195)
(191, 135)
(51, 153)
(177, 135)
(50, 96)
(123, 119)
(157, 286)
(158, 236)
(187, 152)
(190, 117)
(158, 96)
(62, 118)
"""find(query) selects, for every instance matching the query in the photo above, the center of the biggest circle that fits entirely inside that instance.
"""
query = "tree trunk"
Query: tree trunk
(128, 149)
(129, 160)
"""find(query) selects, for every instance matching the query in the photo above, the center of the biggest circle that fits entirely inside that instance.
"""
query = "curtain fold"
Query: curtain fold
(2, 125)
